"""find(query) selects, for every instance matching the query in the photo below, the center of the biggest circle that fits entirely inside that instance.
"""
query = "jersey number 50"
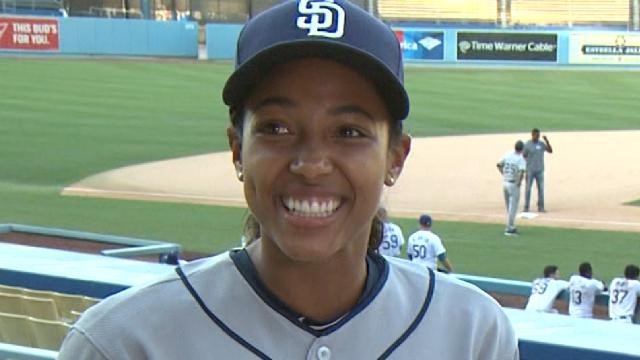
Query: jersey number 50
(419, 251)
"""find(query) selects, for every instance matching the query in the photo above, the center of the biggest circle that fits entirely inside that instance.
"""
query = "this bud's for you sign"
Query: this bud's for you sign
(29, 34)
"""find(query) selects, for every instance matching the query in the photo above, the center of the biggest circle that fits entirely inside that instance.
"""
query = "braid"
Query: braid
(375, 237)
(251, 230)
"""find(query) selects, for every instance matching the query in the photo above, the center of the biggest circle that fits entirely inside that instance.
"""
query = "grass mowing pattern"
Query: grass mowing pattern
(62, 120)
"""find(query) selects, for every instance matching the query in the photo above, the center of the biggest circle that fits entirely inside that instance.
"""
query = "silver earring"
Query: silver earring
(239, 173)
(390, 180)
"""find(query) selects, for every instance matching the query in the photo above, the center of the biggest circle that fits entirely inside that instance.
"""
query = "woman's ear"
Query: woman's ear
(235, 145)
(398, 153)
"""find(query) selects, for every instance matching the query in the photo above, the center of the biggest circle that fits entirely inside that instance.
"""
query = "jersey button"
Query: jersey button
(324, 353)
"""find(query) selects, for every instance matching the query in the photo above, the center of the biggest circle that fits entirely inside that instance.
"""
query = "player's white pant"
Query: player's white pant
(511, 199)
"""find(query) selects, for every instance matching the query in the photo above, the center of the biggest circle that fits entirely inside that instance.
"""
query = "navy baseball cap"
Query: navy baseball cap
(333, 29)
(425, 220)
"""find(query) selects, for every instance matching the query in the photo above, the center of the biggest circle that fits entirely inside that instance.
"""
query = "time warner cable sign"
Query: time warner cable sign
(507, 46)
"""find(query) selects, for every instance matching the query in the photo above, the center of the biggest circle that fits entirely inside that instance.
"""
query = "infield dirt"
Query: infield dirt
(588, 179)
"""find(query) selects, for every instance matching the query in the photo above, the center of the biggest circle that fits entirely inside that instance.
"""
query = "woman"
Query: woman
(316, 103)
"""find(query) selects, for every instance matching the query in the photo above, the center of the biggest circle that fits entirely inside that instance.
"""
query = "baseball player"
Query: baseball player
(623, 295)
(545, 290)
(533, 152)
(583, 289)
(512, 167)
(317, 103)
(392, 238)
(425, 248)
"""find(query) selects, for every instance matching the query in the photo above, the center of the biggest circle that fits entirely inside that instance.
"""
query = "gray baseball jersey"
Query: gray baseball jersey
(534, 153)
(512, 165)
(213, 310)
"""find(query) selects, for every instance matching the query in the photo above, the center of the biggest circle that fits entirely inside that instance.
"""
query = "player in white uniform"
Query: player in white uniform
(425, 248)
(623, 295)
(545, 290)
(316, 103)
(512, 167)
(583, 289)
(392, 237)
(392, 240)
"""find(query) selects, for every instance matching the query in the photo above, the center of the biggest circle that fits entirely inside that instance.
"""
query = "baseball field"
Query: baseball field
(107, 128)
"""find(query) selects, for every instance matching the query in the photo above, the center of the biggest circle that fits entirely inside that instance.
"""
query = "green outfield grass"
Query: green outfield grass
(483, 249)
(63, 120)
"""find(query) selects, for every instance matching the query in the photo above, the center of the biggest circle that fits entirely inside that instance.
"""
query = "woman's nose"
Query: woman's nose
(311, 161)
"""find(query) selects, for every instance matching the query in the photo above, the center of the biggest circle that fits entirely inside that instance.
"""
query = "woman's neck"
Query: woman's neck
(318, 291)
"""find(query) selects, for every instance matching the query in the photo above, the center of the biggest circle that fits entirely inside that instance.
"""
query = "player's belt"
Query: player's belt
(511, 181)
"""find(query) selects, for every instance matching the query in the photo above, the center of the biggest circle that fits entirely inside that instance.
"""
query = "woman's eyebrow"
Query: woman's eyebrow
(274, 100)
(346, 109)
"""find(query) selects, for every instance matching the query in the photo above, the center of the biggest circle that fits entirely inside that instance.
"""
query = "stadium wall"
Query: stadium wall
(221, 40)
(490, 46)
(98, 36)
(486, 46)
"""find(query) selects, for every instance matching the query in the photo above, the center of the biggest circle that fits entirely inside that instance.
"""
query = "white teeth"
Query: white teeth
(313, 208)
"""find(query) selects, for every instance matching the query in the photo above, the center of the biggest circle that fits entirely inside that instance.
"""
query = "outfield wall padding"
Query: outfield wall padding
(104, 37)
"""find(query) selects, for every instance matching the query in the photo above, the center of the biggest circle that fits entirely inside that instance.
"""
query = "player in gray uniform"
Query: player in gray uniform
(533, 152)
(512, 167)
(316, 103)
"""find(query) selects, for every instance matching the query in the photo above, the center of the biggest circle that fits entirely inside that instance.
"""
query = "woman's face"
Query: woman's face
(314, 155)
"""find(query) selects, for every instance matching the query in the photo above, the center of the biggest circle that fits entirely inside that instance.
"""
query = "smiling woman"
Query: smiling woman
(317, 102)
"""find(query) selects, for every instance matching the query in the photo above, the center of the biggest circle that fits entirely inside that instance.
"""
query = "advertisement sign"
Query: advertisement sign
(29, 34)
(604, 48)
(507, 46)
(421, 45)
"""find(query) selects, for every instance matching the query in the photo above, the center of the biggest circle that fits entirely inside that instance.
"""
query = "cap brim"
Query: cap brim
(246, 76)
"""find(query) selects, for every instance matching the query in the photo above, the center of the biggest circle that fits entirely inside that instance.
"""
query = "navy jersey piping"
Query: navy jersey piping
(216, 320)
(416, 321)
(279, 307)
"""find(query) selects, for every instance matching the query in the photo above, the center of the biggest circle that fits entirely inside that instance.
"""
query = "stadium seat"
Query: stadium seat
(74, 316)
(437, 10)
(563, 12)
(11, 303)
(15, 329)
(65, 303)
(40, 308)
(10, 289)
(48, 334)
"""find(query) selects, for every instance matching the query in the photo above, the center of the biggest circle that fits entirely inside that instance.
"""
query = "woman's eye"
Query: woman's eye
(350, 132)
(273, 129)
